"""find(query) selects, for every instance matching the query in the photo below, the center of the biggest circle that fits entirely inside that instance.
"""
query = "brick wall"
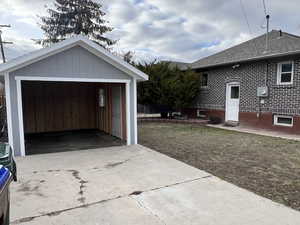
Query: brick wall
(282, 99)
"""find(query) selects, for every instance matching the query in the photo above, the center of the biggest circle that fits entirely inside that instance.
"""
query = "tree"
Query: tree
(186, 88)
(75, 17)
(128, 57)
(168, 88)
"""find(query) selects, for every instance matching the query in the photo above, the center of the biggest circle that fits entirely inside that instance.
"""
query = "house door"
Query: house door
(116, 112)
(232, 102)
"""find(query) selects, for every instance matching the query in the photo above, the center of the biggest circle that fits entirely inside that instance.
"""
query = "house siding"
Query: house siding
(282, 99)
(74, 62)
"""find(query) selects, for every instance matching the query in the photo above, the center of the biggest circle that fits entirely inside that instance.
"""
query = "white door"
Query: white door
(117, 112)
(232, 102)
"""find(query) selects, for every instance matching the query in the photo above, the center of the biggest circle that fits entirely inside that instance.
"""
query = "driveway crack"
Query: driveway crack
(141, 205)
(76, 175)
(112, 165)
(82, 185)
(58, 212)
(170, 185)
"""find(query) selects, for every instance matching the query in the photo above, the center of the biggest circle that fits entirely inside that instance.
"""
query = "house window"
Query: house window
(283, 120)
(201, 113)
(204, 80)
(285, 73)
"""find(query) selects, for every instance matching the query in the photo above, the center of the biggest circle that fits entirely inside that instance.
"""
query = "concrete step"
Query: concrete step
(231, 123)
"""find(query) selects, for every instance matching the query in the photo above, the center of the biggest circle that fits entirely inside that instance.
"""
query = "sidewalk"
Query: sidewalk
(252, 130)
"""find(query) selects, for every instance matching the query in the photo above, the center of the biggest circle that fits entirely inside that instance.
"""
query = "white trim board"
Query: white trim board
(8, 110)
(128, 127)
(135, 111)
(78, 40)
(20, 116)
(63, 79)
(67, 79)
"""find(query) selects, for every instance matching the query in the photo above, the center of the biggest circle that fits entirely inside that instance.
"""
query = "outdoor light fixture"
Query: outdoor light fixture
(235, 66)
(101, 97)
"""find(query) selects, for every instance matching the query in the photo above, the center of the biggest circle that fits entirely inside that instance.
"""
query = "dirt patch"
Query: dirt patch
(265, 165)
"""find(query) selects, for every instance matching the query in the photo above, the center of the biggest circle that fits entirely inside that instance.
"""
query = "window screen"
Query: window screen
(286, 77)
(286, 67)
(235, 92)
(285, 120)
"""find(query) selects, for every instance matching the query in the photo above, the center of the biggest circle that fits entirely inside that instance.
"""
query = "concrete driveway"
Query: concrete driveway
(132, 186)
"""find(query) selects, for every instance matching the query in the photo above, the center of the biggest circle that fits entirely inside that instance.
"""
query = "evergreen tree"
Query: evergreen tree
(75, 17)
(168, 88)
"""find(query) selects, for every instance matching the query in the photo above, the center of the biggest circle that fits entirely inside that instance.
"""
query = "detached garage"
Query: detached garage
(72, 95)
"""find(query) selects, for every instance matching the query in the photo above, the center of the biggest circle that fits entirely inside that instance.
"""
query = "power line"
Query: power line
(265, 8)
(245, 15)
(247, 21)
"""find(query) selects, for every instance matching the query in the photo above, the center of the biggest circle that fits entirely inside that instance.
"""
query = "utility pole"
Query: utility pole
(3, 42)
(267, 35)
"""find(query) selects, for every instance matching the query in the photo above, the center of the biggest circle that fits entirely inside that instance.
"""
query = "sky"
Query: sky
(180, 30)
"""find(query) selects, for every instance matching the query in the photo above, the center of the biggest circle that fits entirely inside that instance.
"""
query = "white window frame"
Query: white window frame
(283, 124)
(279, 73)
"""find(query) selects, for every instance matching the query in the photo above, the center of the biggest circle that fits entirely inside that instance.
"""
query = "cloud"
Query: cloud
(183, 30)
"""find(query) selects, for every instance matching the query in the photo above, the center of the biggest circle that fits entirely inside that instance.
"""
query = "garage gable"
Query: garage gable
(77, 45)
(76, 62)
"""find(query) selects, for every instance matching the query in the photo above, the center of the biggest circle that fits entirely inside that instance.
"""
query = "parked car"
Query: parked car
(5, 179)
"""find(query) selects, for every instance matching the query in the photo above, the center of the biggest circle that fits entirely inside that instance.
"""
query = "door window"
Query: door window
(235, 92)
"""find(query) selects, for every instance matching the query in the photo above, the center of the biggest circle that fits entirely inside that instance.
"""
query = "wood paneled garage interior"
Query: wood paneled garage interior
(68, 106)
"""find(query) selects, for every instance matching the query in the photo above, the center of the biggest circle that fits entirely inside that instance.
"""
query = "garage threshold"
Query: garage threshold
(69, 141)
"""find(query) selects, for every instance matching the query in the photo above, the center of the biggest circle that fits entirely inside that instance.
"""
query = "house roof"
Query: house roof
(280, 44)
(78, 40)
(180, 65)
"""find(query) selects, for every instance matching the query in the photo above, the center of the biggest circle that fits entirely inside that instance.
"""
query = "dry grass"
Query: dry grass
(267, 166)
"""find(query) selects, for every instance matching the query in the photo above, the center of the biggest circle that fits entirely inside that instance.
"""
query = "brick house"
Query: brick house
(254, 83)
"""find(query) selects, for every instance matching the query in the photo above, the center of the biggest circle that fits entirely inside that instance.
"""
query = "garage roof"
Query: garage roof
(78, 40)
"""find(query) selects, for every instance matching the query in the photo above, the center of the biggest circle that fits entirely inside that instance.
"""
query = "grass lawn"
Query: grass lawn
(265, 165)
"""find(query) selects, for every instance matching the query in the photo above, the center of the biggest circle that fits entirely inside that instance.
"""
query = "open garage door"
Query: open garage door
(65, 116)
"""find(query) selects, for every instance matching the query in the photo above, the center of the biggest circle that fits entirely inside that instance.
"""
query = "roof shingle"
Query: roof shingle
(280, 43)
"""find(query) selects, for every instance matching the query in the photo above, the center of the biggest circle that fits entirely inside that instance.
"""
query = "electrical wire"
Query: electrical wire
(245, 15)
(265, 8)
(248, 24)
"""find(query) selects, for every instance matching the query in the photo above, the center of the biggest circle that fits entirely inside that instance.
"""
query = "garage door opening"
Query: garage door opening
(67, 116)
